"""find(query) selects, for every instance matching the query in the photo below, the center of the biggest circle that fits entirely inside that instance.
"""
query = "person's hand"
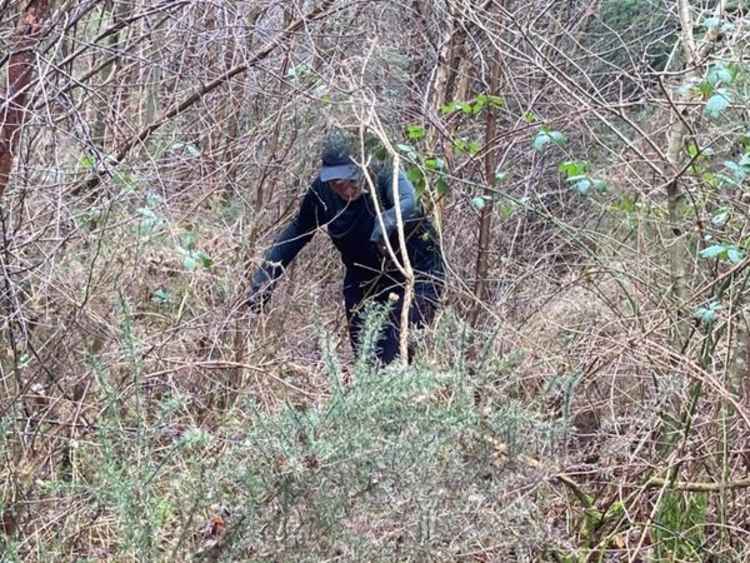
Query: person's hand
(256, 299)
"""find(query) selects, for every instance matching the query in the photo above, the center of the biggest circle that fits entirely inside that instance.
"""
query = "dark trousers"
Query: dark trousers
(423, 306)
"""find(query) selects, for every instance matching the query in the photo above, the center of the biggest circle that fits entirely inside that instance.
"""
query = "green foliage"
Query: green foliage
(150, 223)
(466, 146)
(576, 173)
(708, 313)
(717, 103)
(423, 169)
(479, 202)
(723, 251)
(473, 107)
(415, 132)
(678, 528)
(192, 257)
(546, 137)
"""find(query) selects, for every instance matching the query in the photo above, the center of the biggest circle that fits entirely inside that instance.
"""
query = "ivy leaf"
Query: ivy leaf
(708, 314)
(160, 296)
(541, 140)
(717, 103)
(583, 186)
(191, 149)
(719, 73)
(712, 22)
(737, 170)
(408, 150)
(713, 251)
(600, 186)
(735, 255)
(558, 138)
(479, 202)
(189, 262)
(720, 219)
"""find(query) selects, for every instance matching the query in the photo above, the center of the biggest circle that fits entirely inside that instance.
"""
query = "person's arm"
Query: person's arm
(407, 200)
(286, 246)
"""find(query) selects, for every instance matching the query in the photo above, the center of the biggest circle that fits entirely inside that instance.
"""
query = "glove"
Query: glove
(257, 298)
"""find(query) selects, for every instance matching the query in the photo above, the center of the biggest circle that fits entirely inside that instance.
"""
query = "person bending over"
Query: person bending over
(339, 199)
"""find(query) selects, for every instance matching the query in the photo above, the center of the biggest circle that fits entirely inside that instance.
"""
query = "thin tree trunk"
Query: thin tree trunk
(677, 237)
(486, 213)
(13, 111)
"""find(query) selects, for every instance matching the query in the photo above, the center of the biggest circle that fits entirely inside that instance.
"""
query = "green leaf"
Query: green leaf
(583, 186)
(415, 176)
(721, 218)
(473, 147)
(717, 103)
(449, 108)
(707, 314)
(600, 186)
(479, 104)
(735, 255)
(705, 88)
(719, 73)
(496, 101)
(441, 186)
(713, 251)
(529, 117)
(160, 296)
(204, 259)
(189, 239)
(465, 107)
(408, 150)
(506, 211)
(558, 137)
(191, 149)
(415, 132)
(571, 168)
(712, 22)
(479, 202)
(87, 162)
(541, 140)
(434, 164)
(189, 262)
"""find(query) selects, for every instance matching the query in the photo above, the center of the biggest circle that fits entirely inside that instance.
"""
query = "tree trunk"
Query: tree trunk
(13, 111)
(676, 240)
(481, 288)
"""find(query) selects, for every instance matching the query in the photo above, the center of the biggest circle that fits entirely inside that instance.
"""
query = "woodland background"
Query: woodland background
(584, 393)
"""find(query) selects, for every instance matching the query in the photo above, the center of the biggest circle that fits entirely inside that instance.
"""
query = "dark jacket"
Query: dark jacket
(355, 231)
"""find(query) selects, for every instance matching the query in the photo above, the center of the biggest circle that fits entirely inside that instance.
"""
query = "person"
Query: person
(339, 199)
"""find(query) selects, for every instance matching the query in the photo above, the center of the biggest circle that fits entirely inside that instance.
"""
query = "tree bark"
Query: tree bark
(13, 111)
(487, 211)
(676, 239)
